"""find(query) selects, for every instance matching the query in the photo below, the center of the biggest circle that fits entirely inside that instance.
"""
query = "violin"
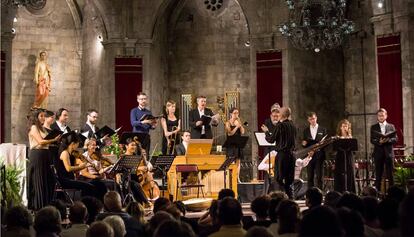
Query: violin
(145, 177)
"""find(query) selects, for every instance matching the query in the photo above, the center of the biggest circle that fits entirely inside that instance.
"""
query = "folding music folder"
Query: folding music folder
(199, 147)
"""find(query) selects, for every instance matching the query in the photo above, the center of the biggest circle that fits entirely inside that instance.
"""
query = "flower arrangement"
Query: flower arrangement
(113, 147)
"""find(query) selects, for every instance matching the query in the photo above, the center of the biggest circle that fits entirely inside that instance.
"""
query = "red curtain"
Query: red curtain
(2, 84)
(128, 82)
(269, 86)
(390, 80)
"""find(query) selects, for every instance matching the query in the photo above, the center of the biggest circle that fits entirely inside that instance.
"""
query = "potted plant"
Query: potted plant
(10, 185)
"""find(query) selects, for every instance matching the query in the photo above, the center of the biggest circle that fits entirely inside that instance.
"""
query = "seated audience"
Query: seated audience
(288, 218)
(273, 214)
(351, 221)
(113, 206)
(137, 211)
(192, 222)
(388, 217)
(230, 215)
(213, 224)
(47, 222)
(77, 216)
(369, 191)
(161, 204)
(226, 192)
(157, 220)
(260, 207)
(332, 198)
(174, 228)
(320, 221)
(407, 215)
(371, 222)
(261, 231)
(101, 229)
(351, 201)
(61, 207)
(396, 193)
(94, 206)
(314, 198)
(117, 225)
(18, 221)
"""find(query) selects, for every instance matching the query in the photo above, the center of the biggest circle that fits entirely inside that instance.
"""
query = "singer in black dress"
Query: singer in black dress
(234, 127)
(171, 127)
(343, 131)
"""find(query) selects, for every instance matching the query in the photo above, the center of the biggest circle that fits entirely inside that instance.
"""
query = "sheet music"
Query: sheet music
(261, 139)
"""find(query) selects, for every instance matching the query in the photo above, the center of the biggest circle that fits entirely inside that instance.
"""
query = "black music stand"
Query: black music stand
(345, 145)
(163, 163)
(238, 142)
(126, 165)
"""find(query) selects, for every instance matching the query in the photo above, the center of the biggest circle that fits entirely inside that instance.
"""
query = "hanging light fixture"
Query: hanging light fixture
(316, 24)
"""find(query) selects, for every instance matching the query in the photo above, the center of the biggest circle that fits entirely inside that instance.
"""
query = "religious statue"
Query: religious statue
(42, 78)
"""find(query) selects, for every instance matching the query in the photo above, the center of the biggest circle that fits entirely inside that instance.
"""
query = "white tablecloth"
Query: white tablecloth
(15, 155)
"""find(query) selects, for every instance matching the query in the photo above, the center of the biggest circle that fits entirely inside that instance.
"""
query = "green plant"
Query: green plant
(402, 175)
(113, 148)
(12, 185)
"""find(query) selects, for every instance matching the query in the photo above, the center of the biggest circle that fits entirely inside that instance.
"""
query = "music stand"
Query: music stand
(163, 163)
(262, 142)
(345, 145)
(238, 142)
(126, 165)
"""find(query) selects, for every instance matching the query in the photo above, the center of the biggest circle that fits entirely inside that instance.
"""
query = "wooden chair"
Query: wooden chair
(187, 168)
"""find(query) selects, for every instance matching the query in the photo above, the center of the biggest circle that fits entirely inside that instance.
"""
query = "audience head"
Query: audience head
(226, 192)
(288, 216)
(351, 201)
(260, 206)
(230, 211)
(61, 207)
(161, 204)
(78, 213)
(47, 220)
(407, 214)
(174, 228)
(136, 210)
(371, 209)
(314, 197)
(173, 210)
(213, 211)
(101, 229)
(388, 214)
(112, 201)
(18, 217)
(117, 225)
(351, 221)
(274, 203)
(396, 193)
(369, 191)
(258, 231)
(181, 207)
(158, 218)
(278, 194)
(320, 221)
(94, 207)
(332, 198)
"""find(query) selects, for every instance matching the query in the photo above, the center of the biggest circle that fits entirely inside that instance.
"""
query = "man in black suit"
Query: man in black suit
(312, 135)
(90, 128)
(62, 117)
(181, 148)
(198, 129)
(383, 152)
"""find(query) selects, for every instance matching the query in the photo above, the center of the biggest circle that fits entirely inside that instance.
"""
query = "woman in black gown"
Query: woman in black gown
(234, 127)
(41, 181)
(171, 127)
(344, 168)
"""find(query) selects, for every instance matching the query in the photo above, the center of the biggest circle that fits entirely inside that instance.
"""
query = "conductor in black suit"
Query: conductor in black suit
(198, 129)
(181, 148)
(90, 127)
(383, 152)
(312, 135)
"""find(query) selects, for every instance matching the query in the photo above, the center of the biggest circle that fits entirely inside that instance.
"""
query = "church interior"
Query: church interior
(248, 54)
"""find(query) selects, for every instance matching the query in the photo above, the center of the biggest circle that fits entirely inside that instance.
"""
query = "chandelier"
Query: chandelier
(316, 24)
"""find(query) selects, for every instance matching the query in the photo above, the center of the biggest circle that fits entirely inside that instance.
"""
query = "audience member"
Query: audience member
(320, 221)
(77, 216)
(278, 194)
(157, 220)
(351, 201)
(226, 192)
(288, 218)
(273, 214)
(117, 225)
(47, 222)
(18, 221)
(192, 222)
(137, 211)
(61, 207)
(101, 229)
(388, 217)
(161, 204)
(332, 198)
(261, 231)
(213, 224)
(174, 228)
(260, 207)
(407, 215)
(230, 215)
(314, 198)
(396, 193)
(371, 222)
(369, 191)
(94, 206)
(113, 205)
(351, 221)
(173, 210)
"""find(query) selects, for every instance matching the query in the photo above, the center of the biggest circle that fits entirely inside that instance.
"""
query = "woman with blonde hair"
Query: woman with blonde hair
(344, 168)
(171, 126)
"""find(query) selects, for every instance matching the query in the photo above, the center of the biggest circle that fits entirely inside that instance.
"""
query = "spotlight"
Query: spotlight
(317, 50)
(247, 43)
(13, 31)
(100, 38)
(380, 4)
(15, 19)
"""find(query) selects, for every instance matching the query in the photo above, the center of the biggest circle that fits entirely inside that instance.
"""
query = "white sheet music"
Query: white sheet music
(261, 139)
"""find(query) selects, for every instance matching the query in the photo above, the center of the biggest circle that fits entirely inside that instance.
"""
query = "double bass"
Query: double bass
(145, 177)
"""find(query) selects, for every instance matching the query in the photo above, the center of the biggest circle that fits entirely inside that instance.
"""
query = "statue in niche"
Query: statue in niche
(42, 78)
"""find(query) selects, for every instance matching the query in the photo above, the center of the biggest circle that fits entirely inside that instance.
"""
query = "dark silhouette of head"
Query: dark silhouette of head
(101, 229)
(260, 206)
(352, 222)
(320, 221)
(78, 213)
(230, 211)
(226, 192)
(332, 198)
(314, 197)
(289, 214)
(47, 220)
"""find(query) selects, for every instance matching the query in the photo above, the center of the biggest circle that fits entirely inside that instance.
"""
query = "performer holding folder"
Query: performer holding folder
(90, 130)
(200, 119)
(383, 137)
